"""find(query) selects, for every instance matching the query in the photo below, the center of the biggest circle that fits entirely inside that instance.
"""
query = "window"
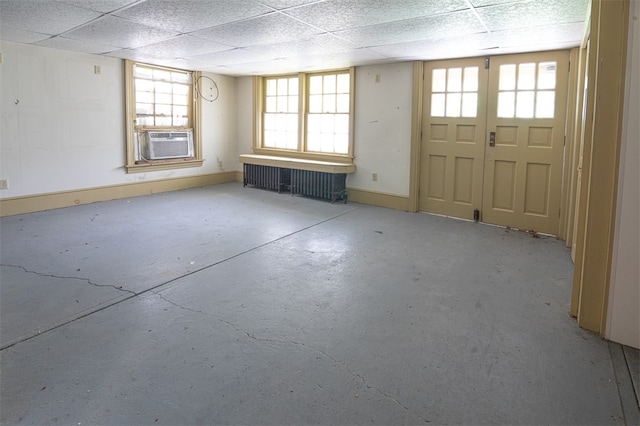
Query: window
(306, 115)
(527, 90)
(454, 92)
(162, 118)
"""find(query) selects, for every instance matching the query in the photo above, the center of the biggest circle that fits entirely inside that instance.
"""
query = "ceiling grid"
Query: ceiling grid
(249, 37)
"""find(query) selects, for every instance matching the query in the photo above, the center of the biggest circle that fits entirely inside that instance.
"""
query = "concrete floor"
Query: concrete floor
(231, 305)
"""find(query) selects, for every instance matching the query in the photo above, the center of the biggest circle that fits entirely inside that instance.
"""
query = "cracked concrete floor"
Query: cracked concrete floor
(230, 305)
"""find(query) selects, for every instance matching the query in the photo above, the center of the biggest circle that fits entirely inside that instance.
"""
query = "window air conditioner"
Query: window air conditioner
(160, 145)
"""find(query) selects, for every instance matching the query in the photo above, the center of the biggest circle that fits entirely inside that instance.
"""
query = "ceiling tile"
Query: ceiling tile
(549, 37)
(119, 32)
(104, 6)
(20, 36)
(458, 47)
(285, 4)
(76, 45)
(265, 29)
(34, 15)
(533, 14)
(226, 57)
(334, 15)
(312, 62)
(428, 28)
(191, 15)
(315, 45)
(181, 46)
(138, 56)
(482, 3)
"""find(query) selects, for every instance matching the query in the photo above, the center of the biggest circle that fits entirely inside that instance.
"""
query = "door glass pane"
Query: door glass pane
(524, 104)
(439, 80)
(470, 83)
(469, 104)
(546, 75)
(454, 80)
(453, 104)
(545, 104)
(506, 102)
(526, 76)
(507, 77)
(437, 104)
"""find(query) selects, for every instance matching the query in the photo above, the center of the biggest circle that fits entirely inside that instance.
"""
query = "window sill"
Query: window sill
(297, 155)
(297, 163)
(150, 166)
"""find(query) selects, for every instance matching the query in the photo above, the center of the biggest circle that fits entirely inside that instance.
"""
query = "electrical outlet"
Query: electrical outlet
(377, 78)
(4, 184)
(374, 177)
(97, 69)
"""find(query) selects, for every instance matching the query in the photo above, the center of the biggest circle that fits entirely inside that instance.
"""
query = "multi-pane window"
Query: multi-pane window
(454, 92)
(328, 114)
(281, 113)
(307, 113)
(527, 90)
(163, 111)
(162, 96)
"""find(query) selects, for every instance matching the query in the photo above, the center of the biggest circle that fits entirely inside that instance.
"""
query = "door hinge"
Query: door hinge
(487, 62)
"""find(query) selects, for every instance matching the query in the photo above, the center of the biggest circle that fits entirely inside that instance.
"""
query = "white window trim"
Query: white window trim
(258, 111)
(132, 164)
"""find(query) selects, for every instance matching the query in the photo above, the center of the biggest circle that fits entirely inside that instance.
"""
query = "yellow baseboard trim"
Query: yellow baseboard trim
(55, 200)
(380, 199)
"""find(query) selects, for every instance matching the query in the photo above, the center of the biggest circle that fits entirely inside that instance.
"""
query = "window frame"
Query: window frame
(134, 164)
(301, 152)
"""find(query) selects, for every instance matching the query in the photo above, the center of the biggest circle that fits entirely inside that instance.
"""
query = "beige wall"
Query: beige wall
(623, 323)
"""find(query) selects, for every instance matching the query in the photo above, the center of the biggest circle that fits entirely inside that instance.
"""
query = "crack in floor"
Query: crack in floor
(346, 366)
(88, 280)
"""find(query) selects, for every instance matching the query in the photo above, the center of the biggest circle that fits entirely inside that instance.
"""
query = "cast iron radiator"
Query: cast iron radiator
(330, 186)
(267, 177)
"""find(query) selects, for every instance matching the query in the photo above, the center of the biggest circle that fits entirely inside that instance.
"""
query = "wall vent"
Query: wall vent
(159, 145)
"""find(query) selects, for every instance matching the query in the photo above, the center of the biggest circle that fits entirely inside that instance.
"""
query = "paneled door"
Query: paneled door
(493, 138)
(453, 136)
(526, 117)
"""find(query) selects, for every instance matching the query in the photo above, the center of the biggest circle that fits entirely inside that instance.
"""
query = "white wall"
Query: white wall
(623, 324)
(67, 130)
(382, 130)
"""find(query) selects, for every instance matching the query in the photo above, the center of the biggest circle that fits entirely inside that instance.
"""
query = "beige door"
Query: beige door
(453, 135)
(526, 125)
(492, 139)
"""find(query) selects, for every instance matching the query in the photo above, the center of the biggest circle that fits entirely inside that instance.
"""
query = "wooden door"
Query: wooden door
(526, 116)
(453, 133)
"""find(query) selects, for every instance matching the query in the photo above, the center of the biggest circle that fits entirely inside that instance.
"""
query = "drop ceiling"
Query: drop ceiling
(253, 37)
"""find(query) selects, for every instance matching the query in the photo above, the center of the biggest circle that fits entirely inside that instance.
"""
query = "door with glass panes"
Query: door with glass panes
(514, 177)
